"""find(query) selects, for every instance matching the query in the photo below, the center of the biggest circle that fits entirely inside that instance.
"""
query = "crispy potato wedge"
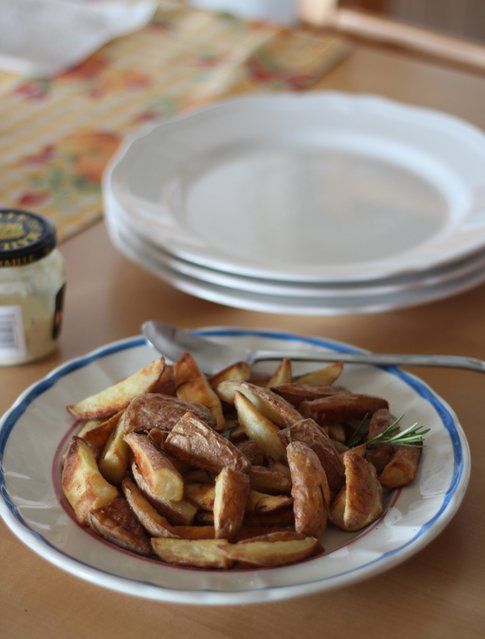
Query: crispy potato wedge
(275, 518)
(271, 552)
(230, 496)
(166, 382)
(310, 490)
(284, 534)
(259, 428)
(193, 441)
(88, 426)
(308, 432)
(203, 496)
(117, 523)
(160, 475)
(195, 532)
(238, 372)
(83, 485)
(323, 376)
(192, 386)
(296, 393)
(199, 476)
(149, 518)
(343, 407)
(380, 455)
(279, 468)
(115, 458)
(271, 405)
(203, 553)
(359, 502)
(252, 451)
(336, 432)
(282, 374)
(177, 512)
(98, 436)
(267, 480)
(156, 411)
(237, 434)
(156, 436)
(402, 468)
(117, 397)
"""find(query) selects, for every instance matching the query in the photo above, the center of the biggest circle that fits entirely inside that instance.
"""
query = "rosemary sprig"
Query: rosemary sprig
(410, 437)
(358, 436)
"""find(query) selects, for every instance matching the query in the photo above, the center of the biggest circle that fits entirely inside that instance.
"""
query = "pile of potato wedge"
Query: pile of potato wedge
(234, 470)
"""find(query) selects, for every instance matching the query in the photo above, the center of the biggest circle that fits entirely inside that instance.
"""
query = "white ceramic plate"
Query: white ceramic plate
(430, 278)
(129, 245)
(321, 186)
(35, 430)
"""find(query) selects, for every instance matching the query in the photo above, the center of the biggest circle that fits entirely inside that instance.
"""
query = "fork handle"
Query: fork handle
(388, 359)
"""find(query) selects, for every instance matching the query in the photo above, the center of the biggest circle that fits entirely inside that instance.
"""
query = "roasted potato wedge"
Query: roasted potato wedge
(150, 519)
(117, 523)
(259, 428)
(323, 376)
(230, 496)
(343, 407)
(192, 386)
(308, 432)
(193, 441)
(238, 372)
(402, 468)
(310, 490)
(177, 512)
(203, 553)
(115, 458)
(252, 451)
(166, 382)
(155, 411)
(203, 495)
(83, 485)
(296, 393)
(271, 552)
(160, 475)
(267, 480)
(195, 532)
(359, 502)
(271, 405)
(282, 374)
(262, 520)
(97, 436)
(380, 455)
(117, 397)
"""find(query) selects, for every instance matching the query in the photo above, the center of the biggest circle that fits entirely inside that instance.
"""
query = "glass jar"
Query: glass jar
(32, 285)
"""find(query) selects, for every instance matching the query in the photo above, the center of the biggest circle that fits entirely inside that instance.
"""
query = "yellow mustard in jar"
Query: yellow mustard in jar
(32, 285)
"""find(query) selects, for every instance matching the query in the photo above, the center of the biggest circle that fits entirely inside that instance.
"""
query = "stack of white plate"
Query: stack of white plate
(318, 204)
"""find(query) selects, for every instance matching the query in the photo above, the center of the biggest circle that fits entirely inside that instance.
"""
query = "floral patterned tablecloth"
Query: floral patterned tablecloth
(57, 135)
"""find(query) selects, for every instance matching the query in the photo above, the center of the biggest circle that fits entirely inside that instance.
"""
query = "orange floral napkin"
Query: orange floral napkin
(57, 135)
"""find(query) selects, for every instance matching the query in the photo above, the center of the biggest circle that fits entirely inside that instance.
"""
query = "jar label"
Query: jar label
(12, 336)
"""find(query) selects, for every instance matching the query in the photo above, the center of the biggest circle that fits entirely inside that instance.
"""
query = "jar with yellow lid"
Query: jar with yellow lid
(32, 285)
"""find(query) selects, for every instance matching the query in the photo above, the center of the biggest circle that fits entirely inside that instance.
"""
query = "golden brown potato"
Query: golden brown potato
(97, 436)
(177, 512)
(166, 382)
(238, 372)
(359, 502)
(203, 496)
(155, 411)
(259, 428)
(308, 432)
(192, 386)
(195, 532)
(230, 496)
(83, 485)
(271, 552)
(279, 467)
(252, 451)
(343, 407)
(327, 375)
(191, 440)
(161, 476)
(117, 397)
(115, 458)
(203, 553)
(402, 468)
(282, 374)
(260, 520)
(198, 476)
(310, 491)
(117, 523)
(380, 455)
(296, 393)
(267, 480)
(150, 519)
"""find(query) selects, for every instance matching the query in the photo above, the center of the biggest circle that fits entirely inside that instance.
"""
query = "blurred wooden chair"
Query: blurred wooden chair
(376, 27)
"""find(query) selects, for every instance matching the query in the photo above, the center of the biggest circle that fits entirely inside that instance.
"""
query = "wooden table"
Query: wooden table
(438, 593)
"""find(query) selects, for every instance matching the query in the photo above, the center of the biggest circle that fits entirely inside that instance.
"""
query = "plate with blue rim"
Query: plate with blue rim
(35, 430)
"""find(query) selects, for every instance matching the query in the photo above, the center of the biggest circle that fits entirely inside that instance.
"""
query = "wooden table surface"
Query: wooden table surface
(438, 593)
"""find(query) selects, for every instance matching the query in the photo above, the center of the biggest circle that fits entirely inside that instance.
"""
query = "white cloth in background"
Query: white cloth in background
(42, 38)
